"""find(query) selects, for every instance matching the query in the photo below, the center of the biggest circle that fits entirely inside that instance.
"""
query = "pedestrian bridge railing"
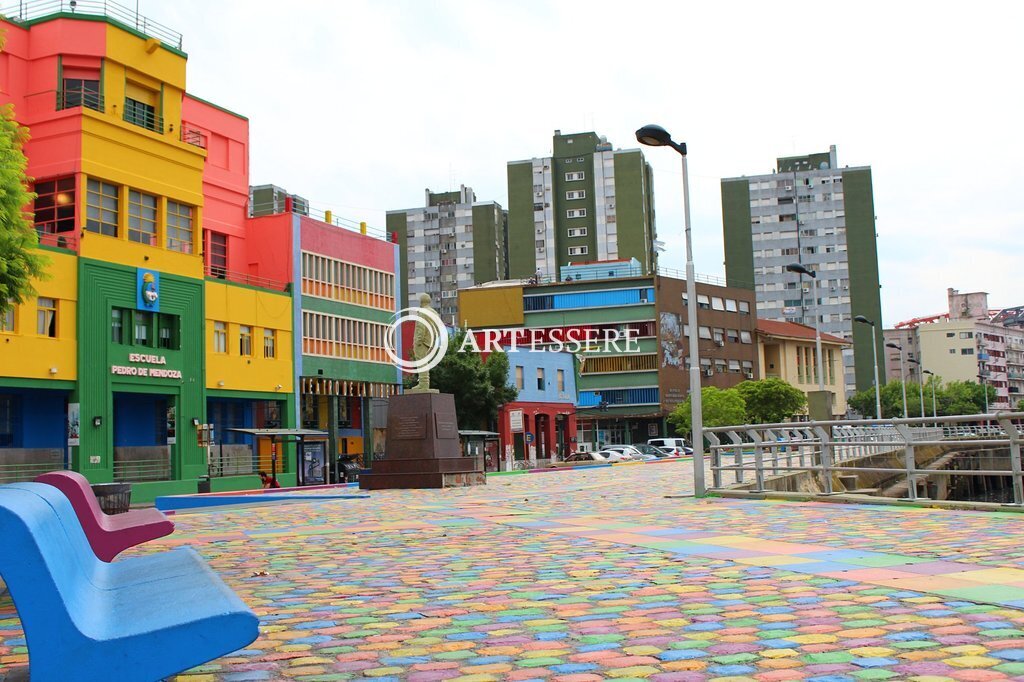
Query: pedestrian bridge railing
(895, 455)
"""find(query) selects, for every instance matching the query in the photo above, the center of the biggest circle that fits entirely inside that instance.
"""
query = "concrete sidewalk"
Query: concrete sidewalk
(595, 574)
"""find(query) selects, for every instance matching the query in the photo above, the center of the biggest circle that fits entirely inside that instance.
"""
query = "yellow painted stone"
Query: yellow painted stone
(871, 651)
(476, 678)
(922, 655)
(972, 661)
(673, 622)
(311, 660)
(779, 653)
(966, 650)
(642, 650)
(294, 647)
(383, 672)
(692, 664)
(632, 671)
(499, 650)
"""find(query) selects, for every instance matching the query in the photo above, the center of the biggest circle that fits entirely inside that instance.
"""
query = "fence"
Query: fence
(27, 10)
(904, 450)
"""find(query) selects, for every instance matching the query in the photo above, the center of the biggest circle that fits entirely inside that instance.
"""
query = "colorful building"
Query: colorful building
(788, 351)
(625, 388)
(541, 422)
(151, 324)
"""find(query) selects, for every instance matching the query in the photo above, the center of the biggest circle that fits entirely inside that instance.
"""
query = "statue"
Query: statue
(422, 343)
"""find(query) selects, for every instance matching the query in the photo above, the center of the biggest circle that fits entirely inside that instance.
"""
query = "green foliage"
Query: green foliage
(957, 397)
(1020, 405)
(720, 407)
(20, 262)
(479, 388)
(770, 400)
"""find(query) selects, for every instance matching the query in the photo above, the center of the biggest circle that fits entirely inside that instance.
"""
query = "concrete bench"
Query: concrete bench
(108, 534)
(141, 618)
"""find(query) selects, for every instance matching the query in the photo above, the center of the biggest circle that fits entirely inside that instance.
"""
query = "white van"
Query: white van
(677, 445)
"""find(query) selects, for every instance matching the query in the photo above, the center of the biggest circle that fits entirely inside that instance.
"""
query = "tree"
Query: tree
(20, 262)
(720, 407)
(964, 397)
(891, 396)
(1020, 405)
(770, 400)
(479, 388)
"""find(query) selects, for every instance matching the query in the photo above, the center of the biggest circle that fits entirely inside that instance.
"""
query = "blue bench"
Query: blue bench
(140, 618)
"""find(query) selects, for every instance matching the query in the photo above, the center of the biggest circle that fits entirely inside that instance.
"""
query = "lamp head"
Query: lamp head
(863, 320)
(797, 267)
(894, 345)
(928, 371)
(656, 136)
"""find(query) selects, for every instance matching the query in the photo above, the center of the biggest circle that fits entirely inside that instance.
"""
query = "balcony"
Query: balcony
(144, 119)
(218, 272)
(34, 10)
(60, 240)
(80, 97)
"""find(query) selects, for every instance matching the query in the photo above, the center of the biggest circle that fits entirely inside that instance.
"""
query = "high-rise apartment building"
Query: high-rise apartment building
(451, 243)
(586, 202)
(809, 211)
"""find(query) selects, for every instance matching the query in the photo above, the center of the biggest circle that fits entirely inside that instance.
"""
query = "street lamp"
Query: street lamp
(935, 413)
(797, 268)
(984, 390)
(656, 136)
(920, 383)
(903, 381)
(874, 356)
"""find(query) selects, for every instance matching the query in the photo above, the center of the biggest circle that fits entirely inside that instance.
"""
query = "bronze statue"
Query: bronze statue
(422, 343)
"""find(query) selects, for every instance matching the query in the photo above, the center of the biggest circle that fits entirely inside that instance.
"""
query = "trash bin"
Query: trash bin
(349, 469)
(203, 484)
(114, 498)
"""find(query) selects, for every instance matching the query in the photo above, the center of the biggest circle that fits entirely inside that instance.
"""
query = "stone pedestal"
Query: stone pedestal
(422, 447)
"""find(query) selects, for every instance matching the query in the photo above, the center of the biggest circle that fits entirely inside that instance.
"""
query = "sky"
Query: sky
(361, 105)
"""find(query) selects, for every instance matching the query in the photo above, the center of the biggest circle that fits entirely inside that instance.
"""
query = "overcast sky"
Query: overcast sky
(359, 106)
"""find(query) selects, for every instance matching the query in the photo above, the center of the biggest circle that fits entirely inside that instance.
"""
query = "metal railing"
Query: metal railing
(217, 272)
(144, 119)
(29, 10)
(193, 136)
(24, 464)
(136, 464)
(67, 99)
(60, 240)
(885, 451)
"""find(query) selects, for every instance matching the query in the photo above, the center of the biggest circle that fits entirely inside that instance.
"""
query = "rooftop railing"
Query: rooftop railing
(217, 272)
(30, 10)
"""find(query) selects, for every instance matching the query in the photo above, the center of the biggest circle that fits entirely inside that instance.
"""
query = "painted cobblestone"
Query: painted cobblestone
(595, 574)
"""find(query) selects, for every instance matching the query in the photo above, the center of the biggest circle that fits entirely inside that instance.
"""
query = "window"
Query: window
(578, 250)
(734, 366)
(717, 303)
(143, 323)
(577, 232)
(81, 91)
(966, 335)
(167, 332)
(704, 332)
(245, 340)
(101, 206)
(218, 255)
(950, 335)
(139, 109)
(575, 175)
(116, 325)
(519, 377)
(55, 206)
(744, 308)
(269, 343)
(966, 351)
(703, 302)
(179, 227)
(730, 305)
(718, 334)
(540, 378)
(952, 351)
(744, 336)
(220, 337)
(46, 317)
(733, 335)
(7, 319)
(576, 194)
(576, 213)
(560, 377)
(141, 218)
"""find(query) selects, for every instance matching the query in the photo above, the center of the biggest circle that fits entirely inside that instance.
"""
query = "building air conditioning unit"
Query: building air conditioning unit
(749, 375)
(709, 372)
(720, 344)
(789, 188)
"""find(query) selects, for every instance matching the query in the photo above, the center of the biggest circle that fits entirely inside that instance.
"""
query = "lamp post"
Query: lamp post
(656, 136)
(903, 381)
(984, 390)
(920, 383)
(874, 356)
(935, 413)
(800, 269)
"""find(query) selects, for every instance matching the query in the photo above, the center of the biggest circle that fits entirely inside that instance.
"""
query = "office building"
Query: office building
(811, 211)
(451, 243)
(585, 202)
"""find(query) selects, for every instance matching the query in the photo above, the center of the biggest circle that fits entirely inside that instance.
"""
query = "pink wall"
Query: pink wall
(269, 247)
(225, 174)
(344, 244)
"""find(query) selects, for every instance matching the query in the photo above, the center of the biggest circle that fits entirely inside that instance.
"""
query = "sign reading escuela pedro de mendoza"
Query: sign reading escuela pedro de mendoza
(146, 359)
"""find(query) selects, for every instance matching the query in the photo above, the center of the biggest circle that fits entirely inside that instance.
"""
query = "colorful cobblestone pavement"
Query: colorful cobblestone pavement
(596, 574)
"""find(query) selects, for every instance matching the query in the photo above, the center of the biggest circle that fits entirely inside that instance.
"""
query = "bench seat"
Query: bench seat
(108, 534)
(140, 618)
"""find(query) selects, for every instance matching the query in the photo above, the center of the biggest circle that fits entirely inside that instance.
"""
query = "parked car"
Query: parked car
(678, 445)
(610, 455)
(637, 452)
